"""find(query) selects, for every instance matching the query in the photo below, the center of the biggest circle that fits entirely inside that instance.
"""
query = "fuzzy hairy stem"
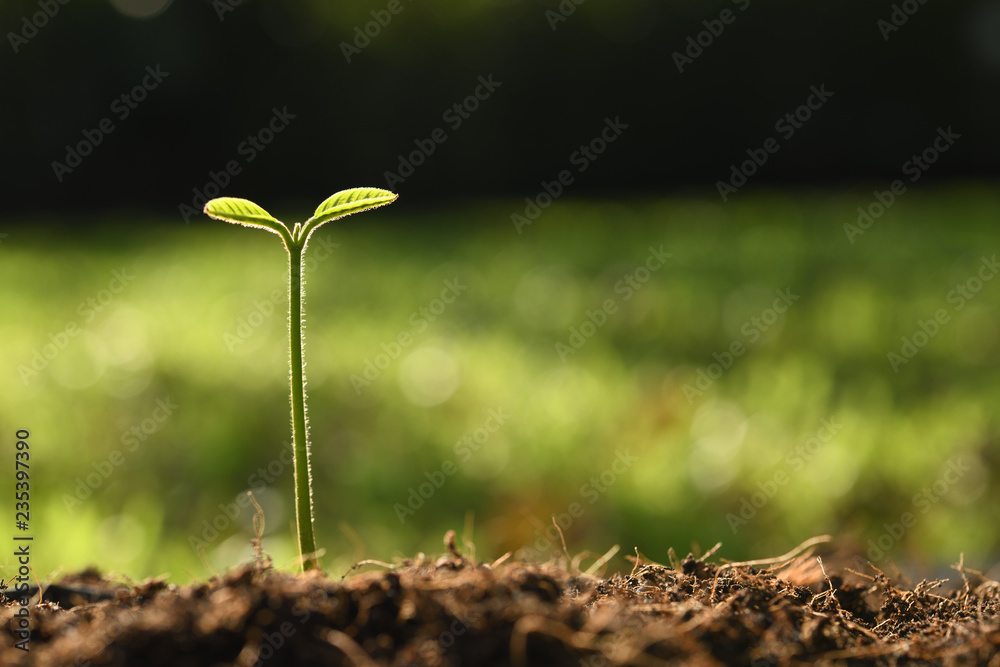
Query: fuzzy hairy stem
(300, 425)
(245, 212)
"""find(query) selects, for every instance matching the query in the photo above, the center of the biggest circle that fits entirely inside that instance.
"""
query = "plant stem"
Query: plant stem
(300, 426)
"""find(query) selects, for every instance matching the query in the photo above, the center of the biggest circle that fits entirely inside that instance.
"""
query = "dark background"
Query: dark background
(353, 120)
(866, 289)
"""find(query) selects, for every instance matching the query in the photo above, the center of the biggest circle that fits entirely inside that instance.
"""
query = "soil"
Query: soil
(791, 610)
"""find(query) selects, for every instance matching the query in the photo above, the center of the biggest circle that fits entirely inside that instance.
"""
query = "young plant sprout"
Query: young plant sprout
(246, 213)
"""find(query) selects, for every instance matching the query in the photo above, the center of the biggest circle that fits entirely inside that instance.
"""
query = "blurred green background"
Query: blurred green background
(195, 328)
(144, 345)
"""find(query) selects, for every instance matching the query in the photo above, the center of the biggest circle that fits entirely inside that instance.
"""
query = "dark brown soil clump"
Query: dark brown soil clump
(455, 612)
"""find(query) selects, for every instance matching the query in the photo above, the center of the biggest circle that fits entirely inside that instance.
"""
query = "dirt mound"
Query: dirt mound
(451, 611)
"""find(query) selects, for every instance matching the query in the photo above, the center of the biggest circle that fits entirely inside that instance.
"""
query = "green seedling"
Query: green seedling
(249, 214)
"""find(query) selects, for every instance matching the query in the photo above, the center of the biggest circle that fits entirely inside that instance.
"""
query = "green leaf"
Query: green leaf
(243, 212)
(347, 202)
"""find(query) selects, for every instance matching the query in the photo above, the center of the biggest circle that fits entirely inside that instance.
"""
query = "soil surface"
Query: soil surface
(451, 611)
